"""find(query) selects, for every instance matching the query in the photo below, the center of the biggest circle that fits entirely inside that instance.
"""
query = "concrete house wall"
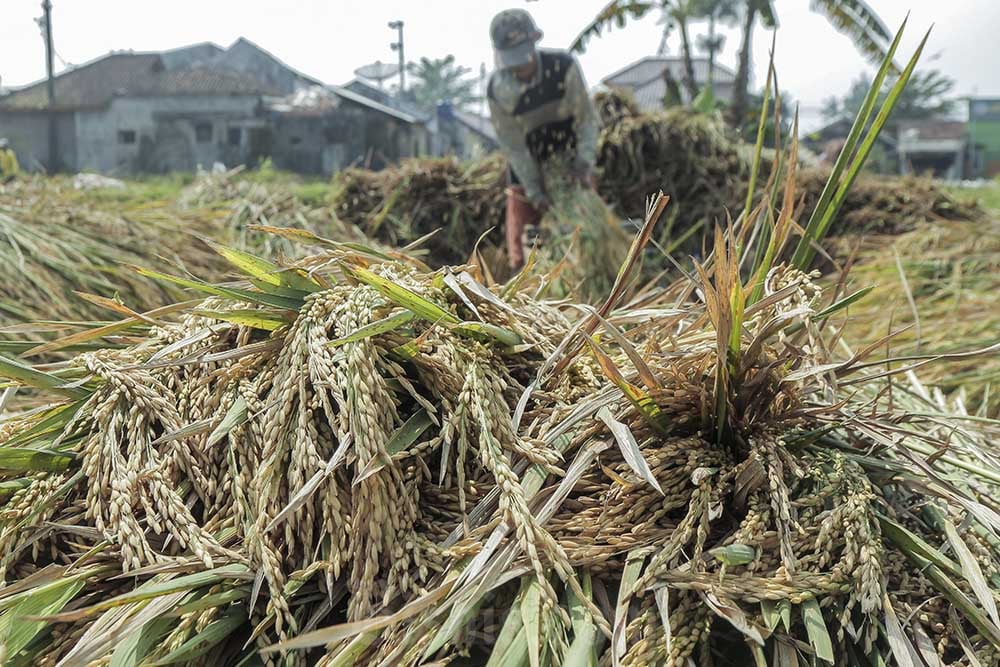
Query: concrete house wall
(350, 135)
(28, 134)
(165, 133)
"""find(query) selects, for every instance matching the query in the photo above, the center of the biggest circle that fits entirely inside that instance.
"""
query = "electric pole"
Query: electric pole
(51, 88)
(398, 47)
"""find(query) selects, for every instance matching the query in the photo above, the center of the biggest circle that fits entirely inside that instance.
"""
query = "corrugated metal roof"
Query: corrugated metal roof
(358, 98)
(322, 99)
(645, 70)
(477, 123)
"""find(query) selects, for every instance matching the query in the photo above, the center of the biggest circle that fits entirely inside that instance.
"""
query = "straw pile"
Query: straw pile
(689, 156)
(889, 205)
(56, 242)
(458, 203)
(941, 286)
(361, 462)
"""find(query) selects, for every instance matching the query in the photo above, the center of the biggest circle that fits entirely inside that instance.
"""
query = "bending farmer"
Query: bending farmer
(541, 110)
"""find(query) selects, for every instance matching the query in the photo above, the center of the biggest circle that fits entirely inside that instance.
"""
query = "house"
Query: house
(323, 129)
(647, 80)
(984, 137)
(174, 110)
(938, 147)
(827, 142)
(130, 111)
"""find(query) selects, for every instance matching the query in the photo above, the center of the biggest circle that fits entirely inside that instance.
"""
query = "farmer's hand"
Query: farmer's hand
(541, 204)
(585, 176)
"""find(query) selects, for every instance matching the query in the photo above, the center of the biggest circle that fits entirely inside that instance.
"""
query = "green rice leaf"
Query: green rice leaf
(214, 633)
(133, 649)
(972, 572)
(222, 599)
(382, 326)
(53, 421)
(511, 646)
(909, 543)
(347, 657)
(235, 415)
(488, 332)
(401, 296)
(154, 590)
(261, 298)
(582, 650)
(20, 623)
(804, 251)
(251, 265)
(15, 370)
(12, 486)
(20, 460)
(531, 616)
(819, 636)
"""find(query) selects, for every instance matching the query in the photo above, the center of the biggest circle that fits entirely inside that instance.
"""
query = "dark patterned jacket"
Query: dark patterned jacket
(552, 114)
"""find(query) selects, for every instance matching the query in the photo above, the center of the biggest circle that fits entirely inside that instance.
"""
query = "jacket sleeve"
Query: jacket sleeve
(510, 136)
(584, 116)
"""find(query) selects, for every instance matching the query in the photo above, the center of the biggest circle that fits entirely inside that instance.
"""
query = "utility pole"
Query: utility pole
(51, 89)
(398, 47)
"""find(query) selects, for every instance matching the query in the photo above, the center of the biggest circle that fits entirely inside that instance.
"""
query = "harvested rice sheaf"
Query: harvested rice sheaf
(362, 462)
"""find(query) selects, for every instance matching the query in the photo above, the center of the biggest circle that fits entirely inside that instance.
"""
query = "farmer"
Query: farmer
(8, 162)
(541, 110)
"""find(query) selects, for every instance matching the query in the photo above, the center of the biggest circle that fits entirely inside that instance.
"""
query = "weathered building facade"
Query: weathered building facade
(178, 110)
(324, 129)
(130, 112)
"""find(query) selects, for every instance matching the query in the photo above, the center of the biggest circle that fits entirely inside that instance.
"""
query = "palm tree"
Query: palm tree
(441, 80)
(716, 11)
(855, 18)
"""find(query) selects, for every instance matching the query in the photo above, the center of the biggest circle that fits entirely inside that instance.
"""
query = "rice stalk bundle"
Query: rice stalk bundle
(888, 204)
(691, 157)
(355, 460)
(582, 243)
(352, 460)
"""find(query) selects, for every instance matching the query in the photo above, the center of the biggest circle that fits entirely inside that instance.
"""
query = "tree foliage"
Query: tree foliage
(928, 95)
(438, 80)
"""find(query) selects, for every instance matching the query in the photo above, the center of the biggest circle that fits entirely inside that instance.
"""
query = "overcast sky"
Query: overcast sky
(328, 39)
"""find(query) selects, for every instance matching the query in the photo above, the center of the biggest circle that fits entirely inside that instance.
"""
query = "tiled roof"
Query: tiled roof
(95, 84)
(88, 86)
(932, 130)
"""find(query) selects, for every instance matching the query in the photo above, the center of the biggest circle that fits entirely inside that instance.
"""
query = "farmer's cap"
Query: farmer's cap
(514, 36)
(3, 142)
